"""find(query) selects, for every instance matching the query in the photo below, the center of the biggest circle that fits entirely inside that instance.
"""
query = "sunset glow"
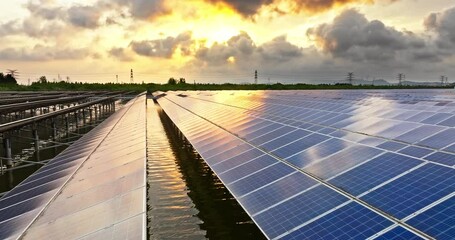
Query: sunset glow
(98, 39)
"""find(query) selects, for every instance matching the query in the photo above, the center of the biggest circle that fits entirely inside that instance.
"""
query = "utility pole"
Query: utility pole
(256, 77)
(116, 76)
(401, 77)
(132, 76)
(350, 77)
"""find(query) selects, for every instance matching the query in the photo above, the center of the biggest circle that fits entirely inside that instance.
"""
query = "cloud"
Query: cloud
(9, 28)
(246, 8)
(443, 24)
(121, 54)
(43, 53)
(241, 54)
(164, 48)
(144, 9)
(252, 7)
(84, 16)
(45, 10)
(351, 36)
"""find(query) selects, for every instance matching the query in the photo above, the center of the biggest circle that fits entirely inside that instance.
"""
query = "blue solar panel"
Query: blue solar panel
(288, 138)
(299, 145)
(331, 121)
(414, 190)
(298, 210)
(450, 122)
(443, 158)
(225, 155)
(318, 152)
(438, 221)
(342, 161)
(352, 221)
(416, 151)
(392, 146)
(281, 199)
(398, 233)
(327, 130)
(247, 168)
(437, 118)
(271, 135)
(420, 116)
(262, 131)
(276, 192)
(440, 140)
(418, 134)
(259, 179)
(374, 172)
(450, 148)
(237, 160)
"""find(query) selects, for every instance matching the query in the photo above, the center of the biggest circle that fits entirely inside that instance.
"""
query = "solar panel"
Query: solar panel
(87, 186)
(330, 164)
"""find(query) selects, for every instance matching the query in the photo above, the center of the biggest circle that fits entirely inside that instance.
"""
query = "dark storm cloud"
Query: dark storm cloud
(251, 7)
(164, 48)
(353, 37)
(443, 24)
(245, 8)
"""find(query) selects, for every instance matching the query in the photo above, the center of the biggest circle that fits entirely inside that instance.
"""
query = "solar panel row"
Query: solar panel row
(73, 195)
(310, 164)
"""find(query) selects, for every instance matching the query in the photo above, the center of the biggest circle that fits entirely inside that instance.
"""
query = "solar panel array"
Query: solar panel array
(95, 189)
(330, 164)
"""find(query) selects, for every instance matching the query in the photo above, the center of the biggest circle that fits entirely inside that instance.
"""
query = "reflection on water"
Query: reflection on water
(185, 199)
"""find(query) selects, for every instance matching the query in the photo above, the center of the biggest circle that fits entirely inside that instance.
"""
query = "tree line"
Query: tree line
(7, 79)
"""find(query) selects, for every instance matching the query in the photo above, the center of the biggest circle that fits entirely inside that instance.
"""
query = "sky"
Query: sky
(217, 41)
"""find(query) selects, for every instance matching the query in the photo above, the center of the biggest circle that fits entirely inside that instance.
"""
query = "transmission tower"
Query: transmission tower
(401, 77)
(256, 77)
(443, 80)
(14, 73)
(350, 77)
(132, 76)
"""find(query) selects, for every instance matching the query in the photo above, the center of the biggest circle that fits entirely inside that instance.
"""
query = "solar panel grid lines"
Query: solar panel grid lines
(361, 194)
(396, 232)
(392, 141)
(43, 186)
(430, 206)
(437, 220)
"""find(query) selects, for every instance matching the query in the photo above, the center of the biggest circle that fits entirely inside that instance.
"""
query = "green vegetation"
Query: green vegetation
(7, 79)
(44, 85)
